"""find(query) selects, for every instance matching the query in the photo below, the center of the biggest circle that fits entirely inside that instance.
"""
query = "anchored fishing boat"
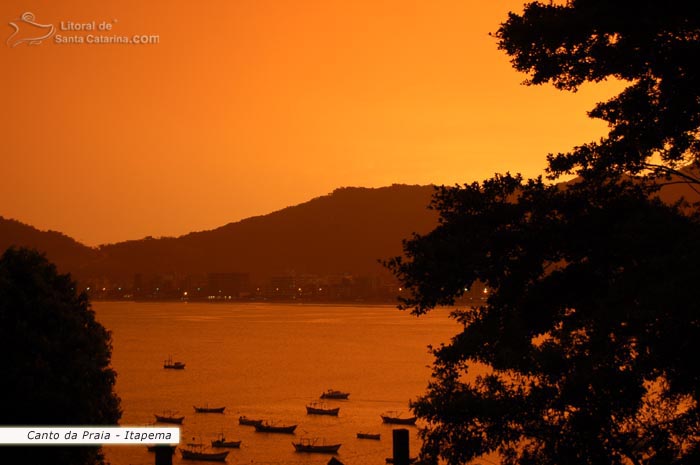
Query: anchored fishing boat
(208, 409)
(222, 442)
(198, 452)
(395, 418)
(312, 445)
(265, 427)
(243, 420)
(319, 408)
(169, 417)
(172, 365)
(333, 394)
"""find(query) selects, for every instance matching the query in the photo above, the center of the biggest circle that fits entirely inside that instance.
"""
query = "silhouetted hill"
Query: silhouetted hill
(69, 255)
(676, 188)
(346, 231)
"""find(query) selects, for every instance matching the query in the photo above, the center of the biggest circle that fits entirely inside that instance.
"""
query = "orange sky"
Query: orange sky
(248, 106)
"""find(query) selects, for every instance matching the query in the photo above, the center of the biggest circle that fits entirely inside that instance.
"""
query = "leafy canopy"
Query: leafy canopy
(56, 358)
(584, 351)
(652, 44)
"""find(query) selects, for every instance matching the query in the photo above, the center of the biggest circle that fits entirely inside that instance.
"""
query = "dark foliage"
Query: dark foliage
(56, 358)
(653, 45)
(584, 352)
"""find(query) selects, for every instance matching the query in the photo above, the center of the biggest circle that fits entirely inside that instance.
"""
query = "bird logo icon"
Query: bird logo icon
(28, 31)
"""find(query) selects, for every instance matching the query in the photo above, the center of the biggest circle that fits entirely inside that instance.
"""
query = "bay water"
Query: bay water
(269, 361)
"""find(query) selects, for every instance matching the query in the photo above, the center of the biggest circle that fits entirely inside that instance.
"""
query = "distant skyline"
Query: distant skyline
(241, 108)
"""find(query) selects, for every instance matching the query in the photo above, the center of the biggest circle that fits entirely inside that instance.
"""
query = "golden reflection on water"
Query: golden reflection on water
(270, 361)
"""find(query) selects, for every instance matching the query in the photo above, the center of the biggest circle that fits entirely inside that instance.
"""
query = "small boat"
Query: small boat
(169, 417)
(198, 452)
(208, 409)
(375, 436)
(243, 420)
(312, 445)
(333, 394)
(222, 442)
(265, 427)
(395, 419)
(170, 364)
(316, 408)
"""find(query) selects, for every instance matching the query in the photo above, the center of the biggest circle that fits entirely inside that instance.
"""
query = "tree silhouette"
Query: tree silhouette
(584, 351)
(56, 358)
(654, 45)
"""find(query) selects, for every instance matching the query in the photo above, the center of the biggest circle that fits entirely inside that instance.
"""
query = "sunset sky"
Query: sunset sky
(244, 107)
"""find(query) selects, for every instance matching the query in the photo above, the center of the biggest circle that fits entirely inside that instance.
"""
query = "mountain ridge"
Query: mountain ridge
(345, 231)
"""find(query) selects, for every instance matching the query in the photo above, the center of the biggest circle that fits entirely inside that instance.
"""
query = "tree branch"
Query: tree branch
(689, 180)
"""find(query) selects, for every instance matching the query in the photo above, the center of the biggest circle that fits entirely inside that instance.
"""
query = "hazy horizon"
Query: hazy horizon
(240, 109)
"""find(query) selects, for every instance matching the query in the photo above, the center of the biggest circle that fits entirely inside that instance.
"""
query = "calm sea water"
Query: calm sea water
(269, 361)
